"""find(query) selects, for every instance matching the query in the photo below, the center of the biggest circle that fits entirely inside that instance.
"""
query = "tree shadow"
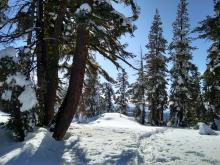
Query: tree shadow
(43, 149)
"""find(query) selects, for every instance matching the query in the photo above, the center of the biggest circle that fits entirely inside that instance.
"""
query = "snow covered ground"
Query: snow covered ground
(111, 139)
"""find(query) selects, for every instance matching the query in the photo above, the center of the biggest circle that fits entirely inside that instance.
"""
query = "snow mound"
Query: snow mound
(120, 121)
(204, 129)
(116, 120)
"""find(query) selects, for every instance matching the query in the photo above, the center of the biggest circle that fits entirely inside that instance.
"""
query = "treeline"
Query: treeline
(192, 97)
(54, 65)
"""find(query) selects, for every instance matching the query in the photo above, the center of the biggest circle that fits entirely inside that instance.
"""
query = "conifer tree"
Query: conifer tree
(95, 100)
(108, 97)
(182, 69)
(17, 95)
(210, 29)
(122, 93)
(156, 72)
(137, 92)
(98, 27)
(90, 103)
(197, 110)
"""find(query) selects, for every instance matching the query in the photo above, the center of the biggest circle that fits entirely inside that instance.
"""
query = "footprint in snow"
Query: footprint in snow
(161, 160)
(173, 158)
(211, 161)
(195, 153)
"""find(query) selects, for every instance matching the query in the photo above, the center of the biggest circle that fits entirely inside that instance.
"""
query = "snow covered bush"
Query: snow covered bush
(17, 95)
(204, 129)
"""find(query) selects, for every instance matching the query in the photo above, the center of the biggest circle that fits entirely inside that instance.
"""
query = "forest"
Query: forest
(50, 76)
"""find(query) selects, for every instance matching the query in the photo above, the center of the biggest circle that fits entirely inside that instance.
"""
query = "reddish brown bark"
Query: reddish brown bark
(51, 85)
(71, 101)
(48, 58)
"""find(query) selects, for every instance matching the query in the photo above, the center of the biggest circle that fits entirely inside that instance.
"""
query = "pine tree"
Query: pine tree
(182, 69)
(210, 29)
(98, 27)
(137, 93)
(108, 97)
(95, 100)
(122, 95)
(197, 109)
(90, 104)
(17, 95)
(156, 72)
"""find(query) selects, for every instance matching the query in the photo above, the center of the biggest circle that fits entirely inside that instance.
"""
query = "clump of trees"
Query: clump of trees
(71, 31)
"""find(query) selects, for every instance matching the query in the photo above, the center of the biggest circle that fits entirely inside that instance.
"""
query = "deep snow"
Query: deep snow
(111, 139)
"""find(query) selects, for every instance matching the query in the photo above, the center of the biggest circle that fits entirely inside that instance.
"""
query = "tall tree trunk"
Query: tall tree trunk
(41, 60)
(71, 101)
(143, 114)
(142, 91)
(53, 53)
(161, 117)
(51, 81)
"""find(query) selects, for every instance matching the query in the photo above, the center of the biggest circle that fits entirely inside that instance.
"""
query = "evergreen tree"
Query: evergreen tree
(108, 97)
(197, 110)
(98, 26)
(156, 72)
(95, 100)
(17, 95)
(182, 69)
(210, 29)
(137, 93)
(90, 104)
(121, 99)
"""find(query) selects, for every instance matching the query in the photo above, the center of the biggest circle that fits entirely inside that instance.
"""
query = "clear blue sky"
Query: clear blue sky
(198, 10)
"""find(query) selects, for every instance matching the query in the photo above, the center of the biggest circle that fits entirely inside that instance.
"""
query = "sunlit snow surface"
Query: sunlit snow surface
(111, 139)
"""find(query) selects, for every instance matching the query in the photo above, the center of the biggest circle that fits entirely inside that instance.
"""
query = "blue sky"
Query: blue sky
(198, 10)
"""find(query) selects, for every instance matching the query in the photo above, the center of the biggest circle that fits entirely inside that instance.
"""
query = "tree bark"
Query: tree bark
(41, 60)
(142, 91)
(71, 101)
(51, 82)
(143, 114)
(51, 68)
